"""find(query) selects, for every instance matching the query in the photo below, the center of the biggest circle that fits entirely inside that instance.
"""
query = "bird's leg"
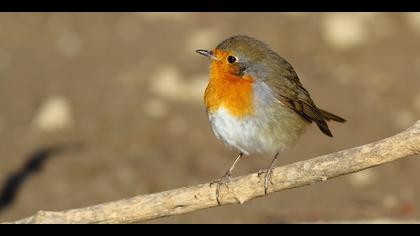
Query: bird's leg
(268, 173)
(225, 178)
(228, 173)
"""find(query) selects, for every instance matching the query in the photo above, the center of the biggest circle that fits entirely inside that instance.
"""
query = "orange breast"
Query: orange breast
(226, 90)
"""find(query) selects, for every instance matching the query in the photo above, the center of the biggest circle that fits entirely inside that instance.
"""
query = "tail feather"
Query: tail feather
(329, 116)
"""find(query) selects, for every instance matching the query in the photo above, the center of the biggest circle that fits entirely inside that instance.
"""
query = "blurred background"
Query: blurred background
(99, 107)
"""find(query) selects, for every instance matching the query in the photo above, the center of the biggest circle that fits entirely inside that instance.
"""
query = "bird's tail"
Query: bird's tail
(329, 116)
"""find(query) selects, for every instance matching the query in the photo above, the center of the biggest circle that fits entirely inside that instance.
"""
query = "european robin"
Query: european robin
(256, 103)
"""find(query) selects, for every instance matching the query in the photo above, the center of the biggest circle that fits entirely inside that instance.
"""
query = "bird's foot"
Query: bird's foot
(268, 177)
(268, 173)
(224, 180)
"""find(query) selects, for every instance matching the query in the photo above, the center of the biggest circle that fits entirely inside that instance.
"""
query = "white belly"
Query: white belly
(266, 133)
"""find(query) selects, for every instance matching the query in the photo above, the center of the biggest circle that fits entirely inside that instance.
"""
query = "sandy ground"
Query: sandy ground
(127, 89)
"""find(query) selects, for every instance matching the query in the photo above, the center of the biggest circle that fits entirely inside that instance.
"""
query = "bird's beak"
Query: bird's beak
(207, 53)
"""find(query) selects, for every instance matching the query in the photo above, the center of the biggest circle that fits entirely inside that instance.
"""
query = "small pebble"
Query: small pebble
(54, 114)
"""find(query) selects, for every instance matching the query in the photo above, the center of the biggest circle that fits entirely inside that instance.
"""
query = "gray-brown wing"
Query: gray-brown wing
(292, 94)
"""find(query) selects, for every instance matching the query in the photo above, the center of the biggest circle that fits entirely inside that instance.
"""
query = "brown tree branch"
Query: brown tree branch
(240, 189)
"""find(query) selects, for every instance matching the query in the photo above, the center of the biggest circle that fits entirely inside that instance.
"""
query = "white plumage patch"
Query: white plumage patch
(255, 133)
(238, 133)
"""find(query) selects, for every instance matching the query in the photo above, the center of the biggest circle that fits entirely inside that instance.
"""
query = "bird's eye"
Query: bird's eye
(231, 59)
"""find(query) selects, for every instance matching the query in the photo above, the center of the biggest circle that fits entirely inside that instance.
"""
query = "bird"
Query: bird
(255, 102)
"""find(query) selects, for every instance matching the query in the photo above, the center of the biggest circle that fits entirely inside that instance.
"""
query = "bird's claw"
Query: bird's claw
(224, 180)
(267, 178)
